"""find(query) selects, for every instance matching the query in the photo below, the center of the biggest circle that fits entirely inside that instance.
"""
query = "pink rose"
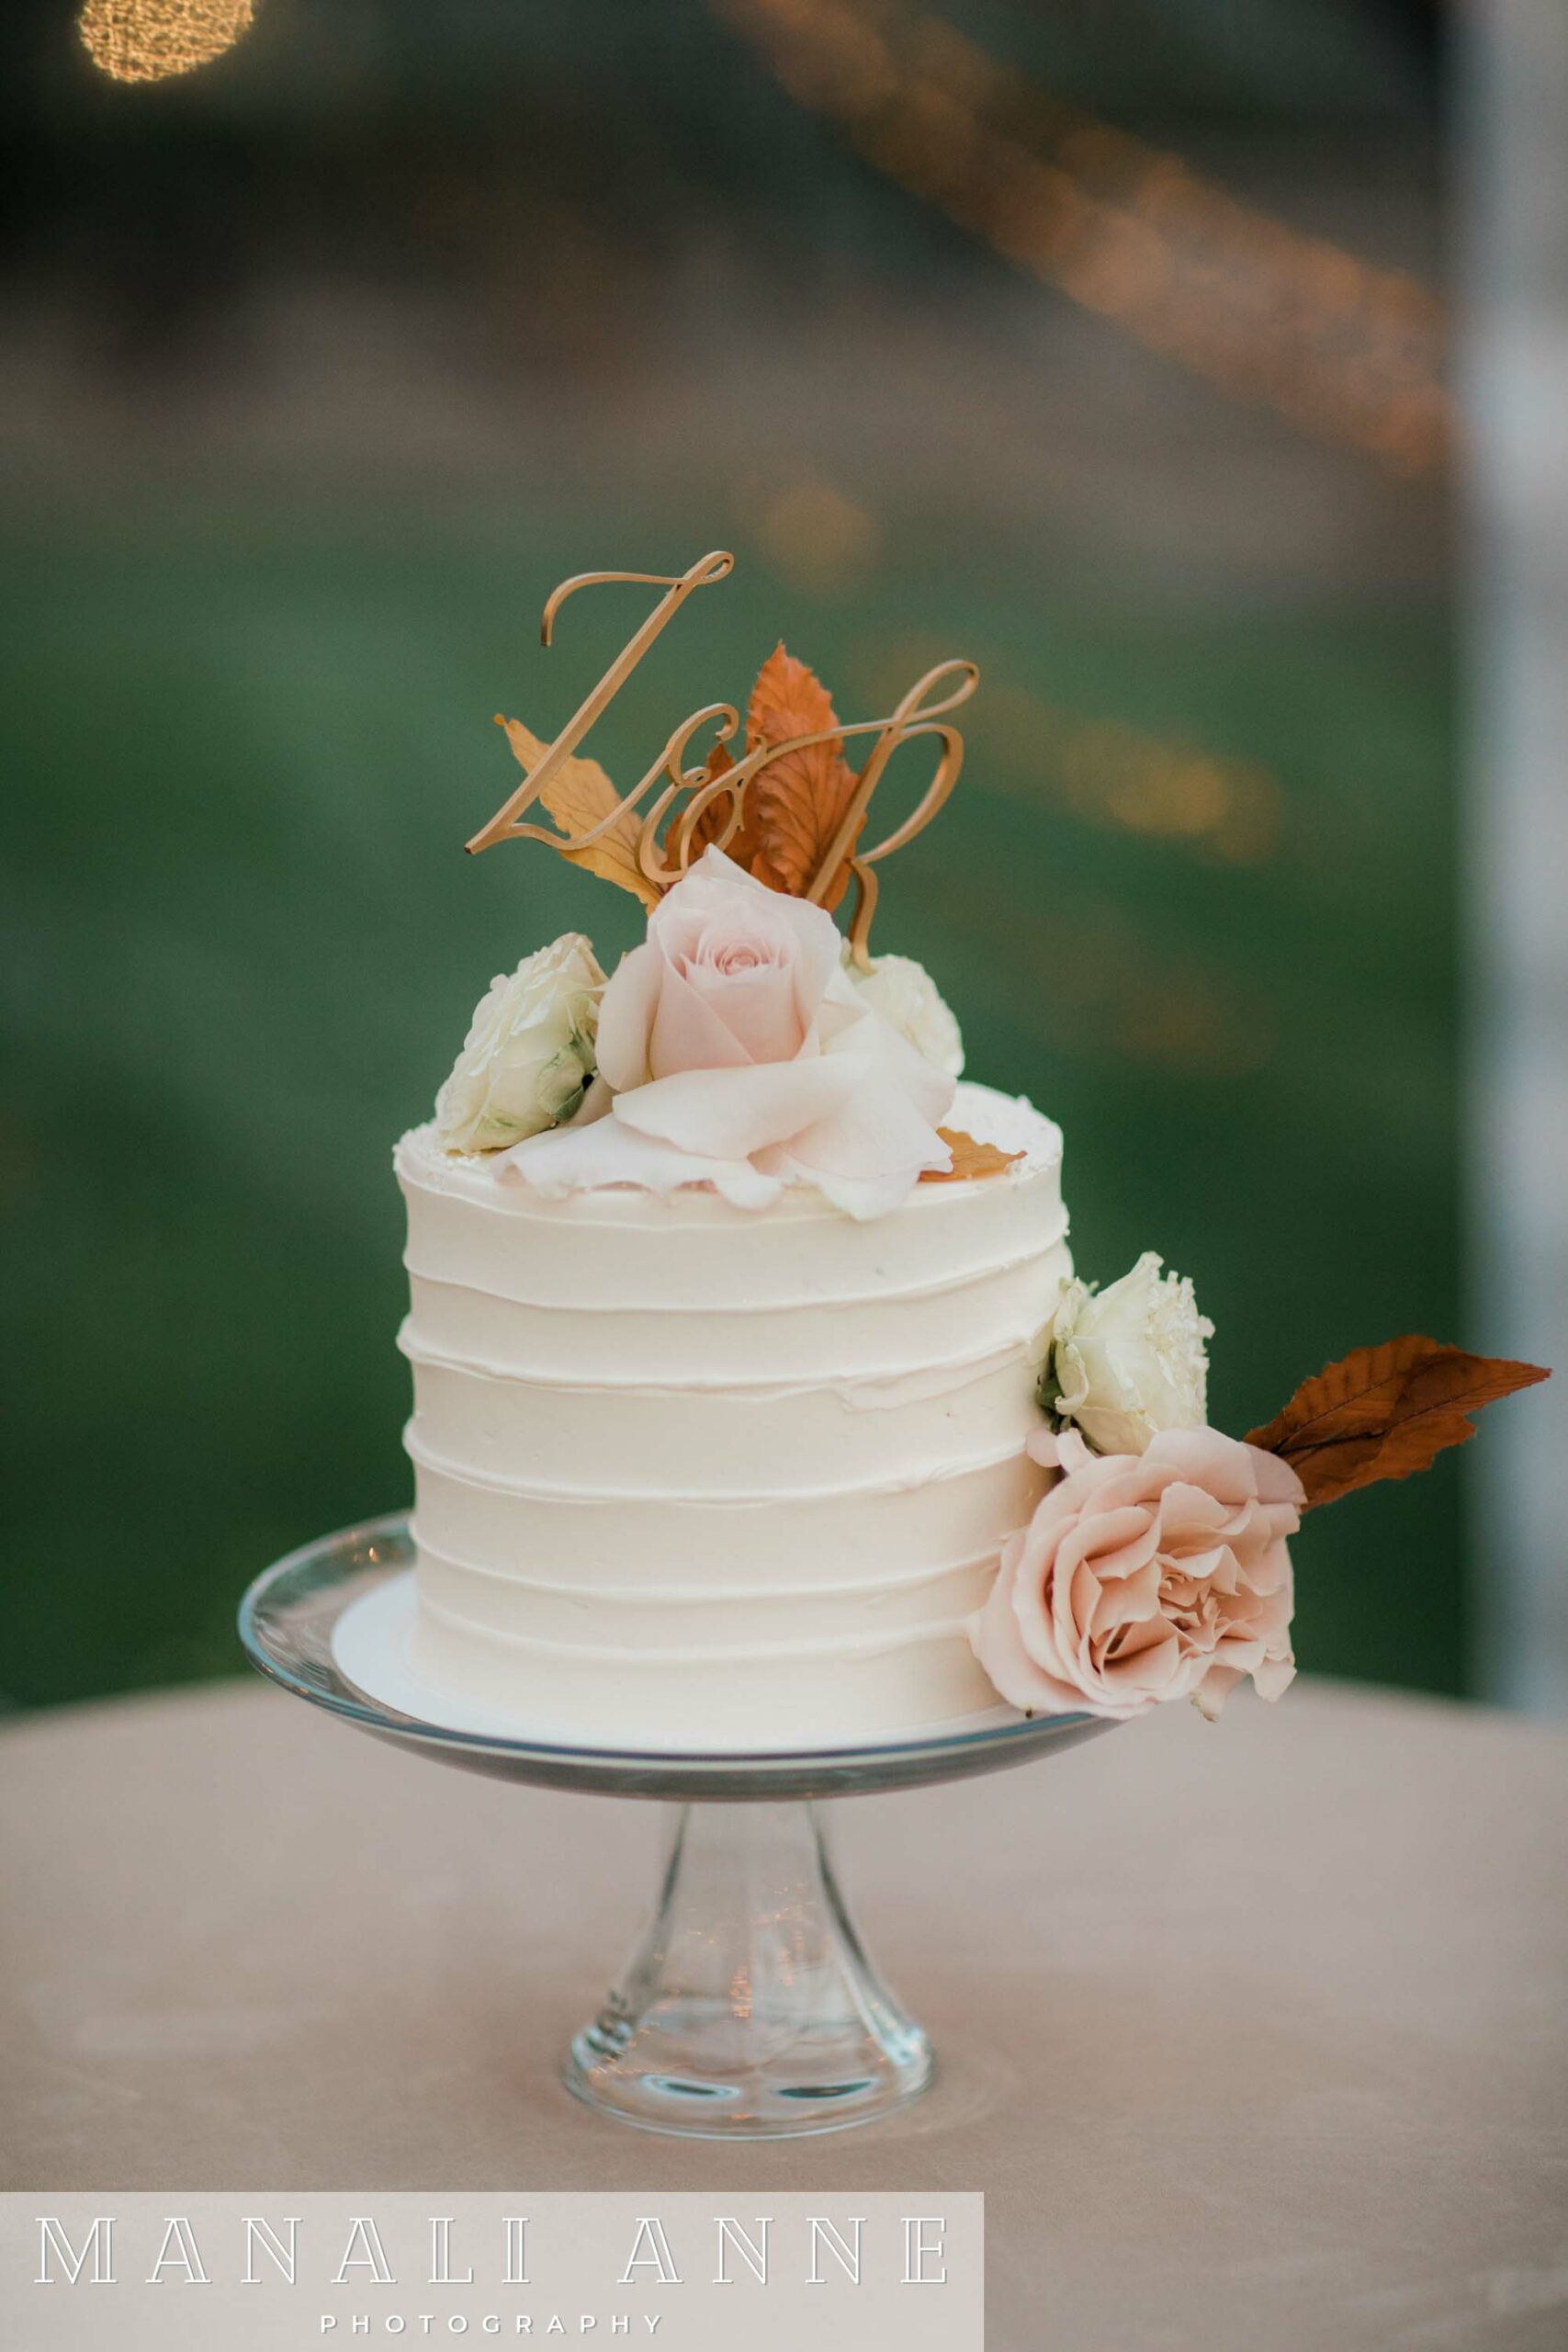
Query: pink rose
(732, 976)
(1144, 1576)
(737, 1052)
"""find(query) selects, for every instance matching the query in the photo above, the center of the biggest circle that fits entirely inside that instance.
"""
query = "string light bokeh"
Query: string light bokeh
(1342, 349)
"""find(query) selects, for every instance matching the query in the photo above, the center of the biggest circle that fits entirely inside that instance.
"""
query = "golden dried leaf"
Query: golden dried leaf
(579, 796)
(970, 1158)
(1385, 1412)
(797, 802)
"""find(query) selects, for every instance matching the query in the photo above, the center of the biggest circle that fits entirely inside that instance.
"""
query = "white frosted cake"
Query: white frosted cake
(693, 1473)
(729, 1301)
(756, 1402)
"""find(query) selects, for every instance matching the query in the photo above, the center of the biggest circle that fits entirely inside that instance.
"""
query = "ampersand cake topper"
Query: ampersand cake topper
(790, 808)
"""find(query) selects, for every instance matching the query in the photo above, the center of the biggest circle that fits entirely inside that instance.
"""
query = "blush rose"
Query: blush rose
(732, 976)
(735, 1052)
(1147, 1577)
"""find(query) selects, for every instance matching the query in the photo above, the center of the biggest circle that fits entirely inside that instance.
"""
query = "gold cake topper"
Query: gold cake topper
(790, 808)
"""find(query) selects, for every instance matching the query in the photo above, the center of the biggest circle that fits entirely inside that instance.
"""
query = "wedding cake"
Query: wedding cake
(756, 1402)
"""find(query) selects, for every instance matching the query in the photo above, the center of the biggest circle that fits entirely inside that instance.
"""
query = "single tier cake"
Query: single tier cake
(756, 1404)
(729, 1302)
(694, 1474)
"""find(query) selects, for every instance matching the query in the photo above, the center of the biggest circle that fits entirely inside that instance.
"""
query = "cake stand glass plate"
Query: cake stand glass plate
(747, 2008)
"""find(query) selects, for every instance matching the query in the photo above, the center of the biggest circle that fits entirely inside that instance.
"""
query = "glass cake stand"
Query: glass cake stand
(747, 2008)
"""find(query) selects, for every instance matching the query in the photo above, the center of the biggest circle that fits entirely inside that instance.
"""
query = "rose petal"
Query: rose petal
(757, 1007)
(1188, 1515)
(1270, 1574)
(1277, 1482)
(1058, 1450)
(690, 1031)
(1129, 1601)
(861, 1197)
(1148, 1673)
(1022, 1682)
(929, 1088)
(575, 1159)
(1117, 1543)
(869, 1130)
(1215, 1689)
(1274, 1677)
(1207, 1459)
(729, 1114)
(626, 1018)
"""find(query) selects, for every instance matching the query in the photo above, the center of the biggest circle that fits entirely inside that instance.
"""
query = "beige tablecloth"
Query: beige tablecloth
(1256, 2037)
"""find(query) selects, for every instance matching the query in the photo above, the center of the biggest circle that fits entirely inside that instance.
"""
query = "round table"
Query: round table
(1253, 2035)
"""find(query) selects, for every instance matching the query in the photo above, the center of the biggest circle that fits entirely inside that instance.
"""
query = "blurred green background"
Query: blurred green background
(1094, 343)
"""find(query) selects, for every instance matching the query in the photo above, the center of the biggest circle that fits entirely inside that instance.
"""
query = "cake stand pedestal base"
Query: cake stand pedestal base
(747, 2011)
(747, 2008)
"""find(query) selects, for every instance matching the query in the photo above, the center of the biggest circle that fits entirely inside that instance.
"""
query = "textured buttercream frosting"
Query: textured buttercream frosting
(694, 1474)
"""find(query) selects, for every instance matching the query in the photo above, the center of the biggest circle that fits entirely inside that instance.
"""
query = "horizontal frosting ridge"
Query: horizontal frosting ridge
(726, 1654)
(955, 1372)
(488, 1481)
(940, 1286)
(683, 1596)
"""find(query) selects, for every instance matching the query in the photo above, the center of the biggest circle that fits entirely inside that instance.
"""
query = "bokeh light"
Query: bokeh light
(149, 40)
(1341, 349)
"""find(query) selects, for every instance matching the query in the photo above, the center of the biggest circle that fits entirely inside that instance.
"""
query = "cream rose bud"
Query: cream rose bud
(1130, 1361)
(906, 995)
(528, 1055)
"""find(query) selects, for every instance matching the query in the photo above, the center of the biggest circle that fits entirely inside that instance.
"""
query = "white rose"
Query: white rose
(1130, 1361)
(906, 995)
(529, 1051)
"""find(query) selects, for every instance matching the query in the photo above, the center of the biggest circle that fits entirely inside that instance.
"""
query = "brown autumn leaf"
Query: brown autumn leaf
(579, 796)
(1385, 1412)
(970, 1158)
(797, 802)
(746, 842)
